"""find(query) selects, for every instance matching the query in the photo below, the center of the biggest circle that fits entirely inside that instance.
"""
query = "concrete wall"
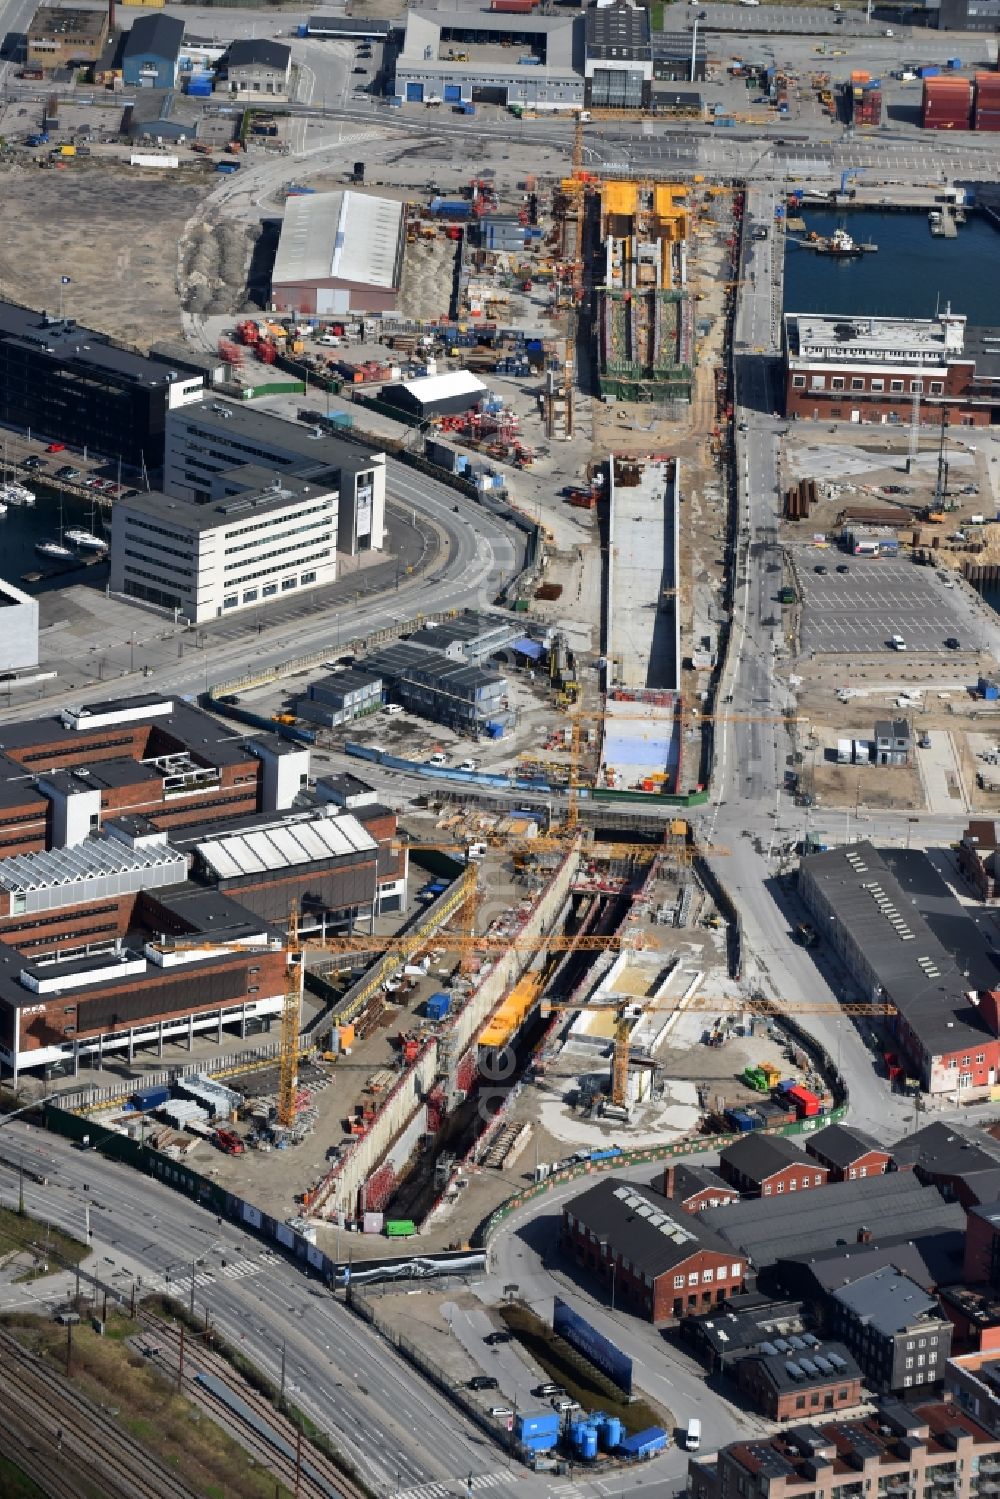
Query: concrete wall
(340, 1190)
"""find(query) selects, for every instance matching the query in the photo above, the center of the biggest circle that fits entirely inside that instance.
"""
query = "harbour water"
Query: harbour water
(22, 527)
(910, 275)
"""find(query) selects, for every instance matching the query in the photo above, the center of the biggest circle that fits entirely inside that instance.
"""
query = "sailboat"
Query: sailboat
(56, 549)
(88, 541)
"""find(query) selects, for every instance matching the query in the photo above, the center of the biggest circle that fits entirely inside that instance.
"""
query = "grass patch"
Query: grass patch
(656, 15)
(50, 1248)
(17, 1485)
(578, 1377)
(136, 1395)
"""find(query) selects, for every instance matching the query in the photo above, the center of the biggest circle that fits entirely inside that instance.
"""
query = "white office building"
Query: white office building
(203, 443)
(268, 537)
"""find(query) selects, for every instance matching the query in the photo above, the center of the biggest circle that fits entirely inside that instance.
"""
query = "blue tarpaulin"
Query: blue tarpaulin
(530, 648)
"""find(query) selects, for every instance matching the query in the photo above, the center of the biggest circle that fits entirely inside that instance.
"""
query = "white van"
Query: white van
(692, 1437)
(898, 643)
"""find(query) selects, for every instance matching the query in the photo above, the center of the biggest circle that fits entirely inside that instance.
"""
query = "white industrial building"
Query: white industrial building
(338, 253)
(204, 443)
(452, 56)
(19, 621)
(271, 536)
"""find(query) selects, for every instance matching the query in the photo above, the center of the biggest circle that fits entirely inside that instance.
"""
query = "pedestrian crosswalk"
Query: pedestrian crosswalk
(238, 1270)
(474, 1484)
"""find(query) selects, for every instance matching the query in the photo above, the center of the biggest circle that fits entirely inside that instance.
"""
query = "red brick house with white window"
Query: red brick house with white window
(769, 1166)
(847, 1153)
(697, 1188)
(655, 1260)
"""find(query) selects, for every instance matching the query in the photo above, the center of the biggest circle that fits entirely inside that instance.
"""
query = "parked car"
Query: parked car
(34, 462)
(56, 447)
(953, 643)
(394, 708)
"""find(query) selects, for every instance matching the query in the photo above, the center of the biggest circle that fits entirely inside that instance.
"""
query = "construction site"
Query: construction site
(642, 309)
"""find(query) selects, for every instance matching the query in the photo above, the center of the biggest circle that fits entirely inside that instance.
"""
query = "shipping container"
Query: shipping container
(930, 72)
(540, 1423)
(806, 1103)
(437, 1006)
(645, 1443)
(151, 1098)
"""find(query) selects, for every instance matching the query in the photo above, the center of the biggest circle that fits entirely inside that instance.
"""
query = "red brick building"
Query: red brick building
(62, 777)
(977, 859)
(696, 1188)
(800, 1383)
(848, 1153)
(868, 369)
(769, 1166)
(654, 1259)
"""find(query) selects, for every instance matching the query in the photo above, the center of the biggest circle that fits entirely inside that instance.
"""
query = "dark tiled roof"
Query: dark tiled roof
(643, 1225)
(260, 50)
(772, 1228)
(841, 1145)
(760, 1156)
(948, 1150)
(158, 35)
(690, 1180)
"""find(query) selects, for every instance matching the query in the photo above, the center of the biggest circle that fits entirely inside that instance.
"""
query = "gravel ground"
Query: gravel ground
(113, 231)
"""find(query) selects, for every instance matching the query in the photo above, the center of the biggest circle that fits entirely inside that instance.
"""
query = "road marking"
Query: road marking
(461, 1485)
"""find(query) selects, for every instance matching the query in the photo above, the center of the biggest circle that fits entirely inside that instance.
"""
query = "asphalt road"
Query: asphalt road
(399, 1430)
(481, 553)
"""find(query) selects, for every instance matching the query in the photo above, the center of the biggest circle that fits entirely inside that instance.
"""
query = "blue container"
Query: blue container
(151, 1098)
(645, 1443)
(611, 1433)
(954, 62)
(588, 1447)
(544, 1423)
(437, 1007)
(302, 29)
(544, 1441)
(928, 72)
(495, 730)
(988, 689)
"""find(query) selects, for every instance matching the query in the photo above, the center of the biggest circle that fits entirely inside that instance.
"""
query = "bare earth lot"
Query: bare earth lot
(114, 232)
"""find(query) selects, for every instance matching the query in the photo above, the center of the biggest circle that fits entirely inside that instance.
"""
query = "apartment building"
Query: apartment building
(932, 1451)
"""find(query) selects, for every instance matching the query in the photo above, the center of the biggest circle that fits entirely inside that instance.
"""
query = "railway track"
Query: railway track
(51, 1418)
(319, 1477)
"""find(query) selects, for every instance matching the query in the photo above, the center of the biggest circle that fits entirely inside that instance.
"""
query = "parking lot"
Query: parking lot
(859, 611)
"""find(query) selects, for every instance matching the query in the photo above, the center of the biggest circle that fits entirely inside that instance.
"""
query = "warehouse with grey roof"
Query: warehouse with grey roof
(339, 252)
(894, 955)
